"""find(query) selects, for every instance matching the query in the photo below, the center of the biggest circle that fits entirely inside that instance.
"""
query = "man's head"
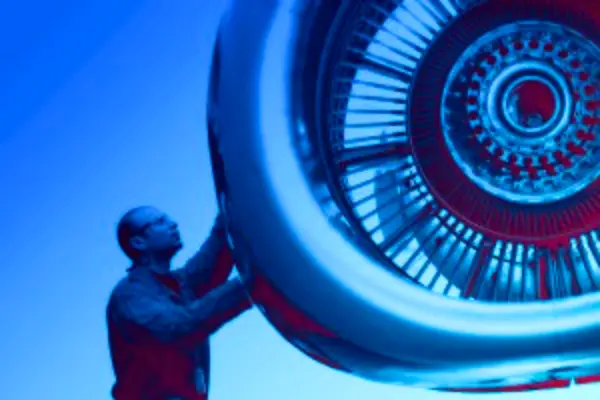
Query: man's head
(148, 233)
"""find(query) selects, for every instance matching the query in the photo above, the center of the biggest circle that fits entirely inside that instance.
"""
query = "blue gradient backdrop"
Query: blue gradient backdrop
(101, 109)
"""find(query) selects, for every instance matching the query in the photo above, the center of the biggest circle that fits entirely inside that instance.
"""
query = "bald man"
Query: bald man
(159, 319)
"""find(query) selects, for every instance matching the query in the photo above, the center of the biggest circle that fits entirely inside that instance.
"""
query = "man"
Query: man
(159, 320)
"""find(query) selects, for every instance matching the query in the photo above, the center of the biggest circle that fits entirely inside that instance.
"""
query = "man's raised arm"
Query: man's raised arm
(212, 264)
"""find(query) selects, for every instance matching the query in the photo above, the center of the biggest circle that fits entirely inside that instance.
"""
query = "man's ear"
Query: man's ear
(138, 243)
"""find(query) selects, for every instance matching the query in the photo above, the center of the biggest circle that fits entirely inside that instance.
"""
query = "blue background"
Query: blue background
(102, 107)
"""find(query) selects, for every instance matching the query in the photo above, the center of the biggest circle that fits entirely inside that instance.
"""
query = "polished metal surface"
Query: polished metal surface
(339, 200)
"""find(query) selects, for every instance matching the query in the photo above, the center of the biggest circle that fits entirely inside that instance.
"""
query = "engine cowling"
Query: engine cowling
(408, 184)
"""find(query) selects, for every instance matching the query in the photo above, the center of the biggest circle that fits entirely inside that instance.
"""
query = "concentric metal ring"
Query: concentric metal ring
(499, 87)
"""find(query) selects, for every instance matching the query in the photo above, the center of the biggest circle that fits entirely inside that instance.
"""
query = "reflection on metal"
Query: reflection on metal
(412, 186)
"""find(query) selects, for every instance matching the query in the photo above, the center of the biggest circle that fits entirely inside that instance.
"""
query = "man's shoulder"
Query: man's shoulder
(121, 289)
(124, 285)
(124, 288)
(136, 282)
(123, 292)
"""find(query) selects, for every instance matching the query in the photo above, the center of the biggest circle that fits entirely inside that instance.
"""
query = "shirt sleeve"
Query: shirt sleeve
(189, 323)
(212, 264)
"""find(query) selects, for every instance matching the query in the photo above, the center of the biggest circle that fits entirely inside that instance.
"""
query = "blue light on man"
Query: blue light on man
(159, 319)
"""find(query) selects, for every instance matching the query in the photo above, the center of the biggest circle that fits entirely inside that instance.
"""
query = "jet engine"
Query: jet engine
(411, 186)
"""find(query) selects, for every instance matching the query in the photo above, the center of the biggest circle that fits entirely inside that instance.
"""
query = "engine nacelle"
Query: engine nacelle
(374, 243)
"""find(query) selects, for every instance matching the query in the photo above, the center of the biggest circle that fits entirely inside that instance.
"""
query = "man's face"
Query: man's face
(158, 235)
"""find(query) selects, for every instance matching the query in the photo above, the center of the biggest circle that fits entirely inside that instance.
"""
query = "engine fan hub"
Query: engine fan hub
(517, 115)
(529, 105)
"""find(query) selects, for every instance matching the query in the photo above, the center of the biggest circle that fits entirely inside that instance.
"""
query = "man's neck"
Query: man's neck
(158, 267)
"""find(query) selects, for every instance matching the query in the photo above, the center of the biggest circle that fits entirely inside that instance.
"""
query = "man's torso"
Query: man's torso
(142, 364)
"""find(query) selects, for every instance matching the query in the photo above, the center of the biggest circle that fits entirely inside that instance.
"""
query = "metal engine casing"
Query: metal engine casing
(319, 281)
